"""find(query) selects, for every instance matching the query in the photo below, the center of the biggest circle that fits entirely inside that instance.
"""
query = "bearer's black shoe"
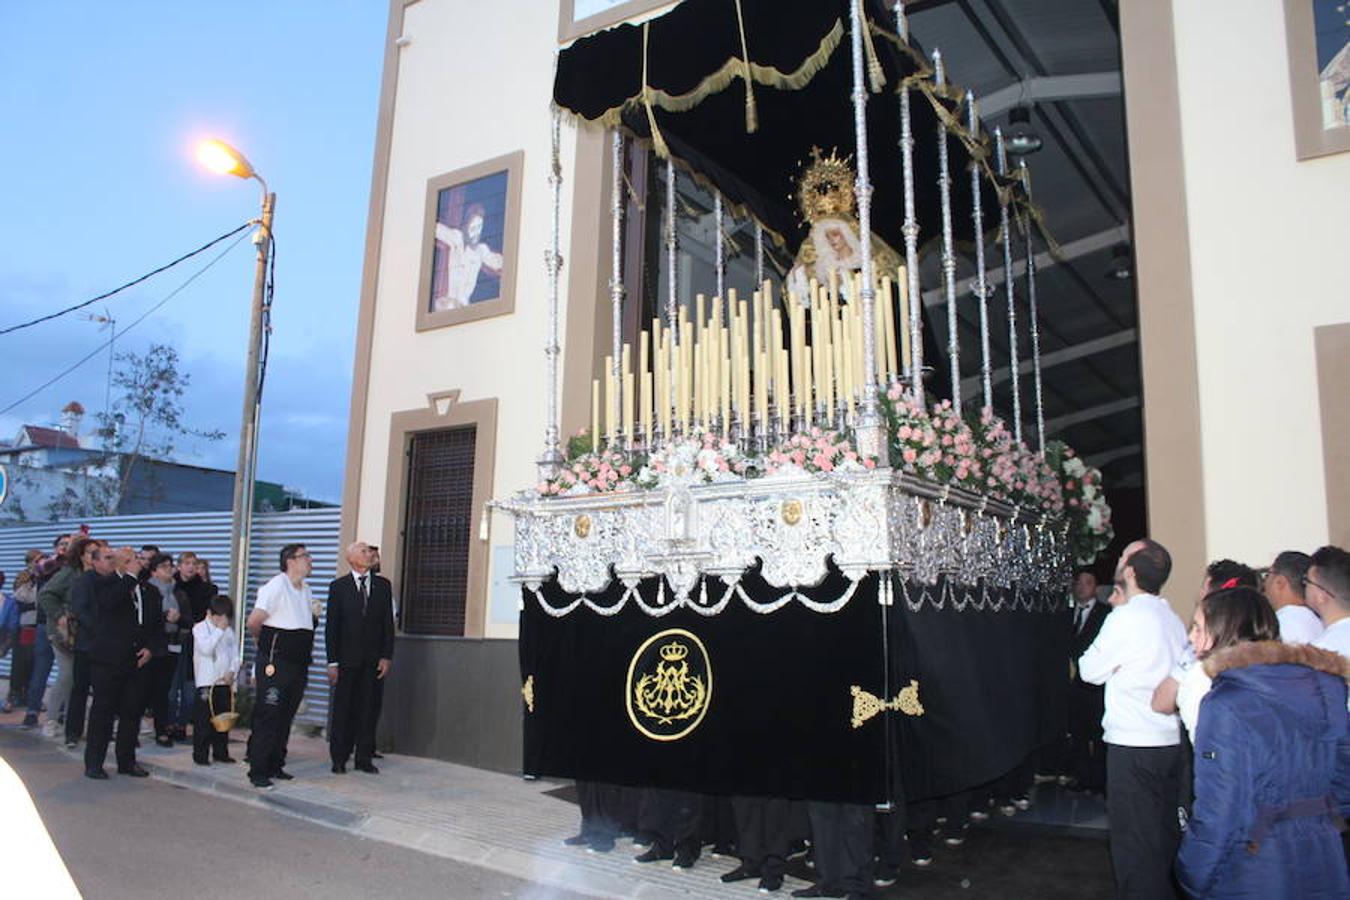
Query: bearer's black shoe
(684, 860)
(652, 855)
(817, 890)
(576, 840)
(368, 768)
(135, 770)
(283, 775)
(770, 884)
(339, 768)
(740, 873)
(96, 774)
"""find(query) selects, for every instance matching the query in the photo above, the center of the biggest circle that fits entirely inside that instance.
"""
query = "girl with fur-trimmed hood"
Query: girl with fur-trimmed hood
(1272, 763)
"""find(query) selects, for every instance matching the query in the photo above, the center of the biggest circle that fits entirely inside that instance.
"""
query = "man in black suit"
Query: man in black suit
(123, 615)
(1087, 753)
(359, 636)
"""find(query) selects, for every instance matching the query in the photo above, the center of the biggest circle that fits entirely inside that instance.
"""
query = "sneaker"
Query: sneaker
(770, 884)
(979, 815)
(577, 840)
(740, 873)
(920, 850)
(283, 775)
(1007, 809)
(684, 861)
(71, 745)
(52, 729)
(956, 838)
(30, 720)
(1045, 779)
(262, 784)
(652, 855)
(885, 876)
(1022, 802)
(601, 845)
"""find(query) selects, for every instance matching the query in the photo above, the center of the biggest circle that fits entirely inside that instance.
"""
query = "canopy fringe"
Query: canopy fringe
(751, 117)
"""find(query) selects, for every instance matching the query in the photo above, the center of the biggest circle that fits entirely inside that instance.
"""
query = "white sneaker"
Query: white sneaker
(51, 728)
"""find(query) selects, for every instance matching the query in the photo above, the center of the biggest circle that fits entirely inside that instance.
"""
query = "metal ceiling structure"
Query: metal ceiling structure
(1061, 58)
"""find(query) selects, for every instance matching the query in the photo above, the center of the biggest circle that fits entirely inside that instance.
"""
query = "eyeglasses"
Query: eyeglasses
(1305, 581)
(301, 555)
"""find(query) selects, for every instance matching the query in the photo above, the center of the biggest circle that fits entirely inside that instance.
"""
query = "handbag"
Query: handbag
(222, 721)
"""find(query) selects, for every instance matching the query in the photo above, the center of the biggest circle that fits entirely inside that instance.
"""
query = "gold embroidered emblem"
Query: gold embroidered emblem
(792, 511)
(582, 526)
(527, 692)
(866, 705)
(669, 686)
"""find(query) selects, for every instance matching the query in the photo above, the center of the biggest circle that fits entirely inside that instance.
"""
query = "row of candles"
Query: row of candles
(734, 369)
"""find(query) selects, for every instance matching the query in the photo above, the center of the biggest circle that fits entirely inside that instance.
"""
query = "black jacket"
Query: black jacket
(117, 636)
(152, 629)
(82, 608)
(352, 638)
(199, 593)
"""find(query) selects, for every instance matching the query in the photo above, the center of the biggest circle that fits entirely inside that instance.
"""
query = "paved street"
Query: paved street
(141, 838)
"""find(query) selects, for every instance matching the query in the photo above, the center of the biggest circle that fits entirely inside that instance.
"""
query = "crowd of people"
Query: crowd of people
(1222, 751)
(133, 633)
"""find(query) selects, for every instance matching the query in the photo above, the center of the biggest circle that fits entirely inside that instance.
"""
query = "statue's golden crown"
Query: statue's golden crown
(674, 651)
(826, 187)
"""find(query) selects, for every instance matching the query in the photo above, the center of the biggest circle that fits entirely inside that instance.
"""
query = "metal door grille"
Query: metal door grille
(437, 530)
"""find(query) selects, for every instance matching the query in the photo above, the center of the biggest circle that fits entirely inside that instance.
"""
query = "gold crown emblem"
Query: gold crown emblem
(674, 651)
(826, 187)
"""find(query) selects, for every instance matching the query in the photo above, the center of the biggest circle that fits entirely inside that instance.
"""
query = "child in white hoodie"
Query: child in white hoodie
(215, 662)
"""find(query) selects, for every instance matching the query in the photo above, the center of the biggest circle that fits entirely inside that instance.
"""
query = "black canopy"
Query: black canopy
(802, 72)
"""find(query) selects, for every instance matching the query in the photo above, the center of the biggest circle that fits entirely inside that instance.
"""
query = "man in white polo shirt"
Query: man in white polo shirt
(282, 624)
(1283, 587)
(1136, 649)
(1327, 587)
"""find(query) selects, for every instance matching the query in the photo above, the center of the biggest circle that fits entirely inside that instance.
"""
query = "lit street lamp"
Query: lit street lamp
(223, 159)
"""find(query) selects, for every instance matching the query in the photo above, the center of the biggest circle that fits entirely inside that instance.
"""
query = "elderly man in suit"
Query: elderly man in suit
(1087, 755)
(359, 636)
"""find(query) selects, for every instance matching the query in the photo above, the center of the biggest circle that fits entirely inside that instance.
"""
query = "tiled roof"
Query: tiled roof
(50, 437)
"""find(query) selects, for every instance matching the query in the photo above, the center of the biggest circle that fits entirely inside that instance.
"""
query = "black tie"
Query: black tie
(1082, 618)
(364, 595)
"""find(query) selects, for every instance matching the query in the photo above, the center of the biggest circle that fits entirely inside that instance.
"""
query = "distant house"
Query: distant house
(52, 473)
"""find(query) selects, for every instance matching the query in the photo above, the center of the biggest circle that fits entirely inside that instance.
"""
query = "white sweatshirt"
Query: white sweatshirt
(215, 654)
(1136, 649)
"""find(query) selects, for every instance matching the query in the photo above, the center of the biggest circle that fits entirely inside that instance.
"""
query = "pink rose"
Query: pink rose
(910, 455)
(869, 463)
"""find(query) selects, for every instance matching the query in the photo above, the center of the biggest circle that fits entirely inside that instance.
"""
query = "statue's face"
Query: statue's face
(838, 243)
(475, 229)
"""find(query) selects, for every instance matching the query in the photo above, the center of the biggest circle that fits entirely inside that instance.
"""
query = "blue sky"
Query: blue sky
(103, 104)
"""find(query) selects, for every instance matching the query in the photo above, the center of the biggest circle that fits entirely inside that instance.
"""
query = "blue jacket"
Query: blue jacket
(1272, 771)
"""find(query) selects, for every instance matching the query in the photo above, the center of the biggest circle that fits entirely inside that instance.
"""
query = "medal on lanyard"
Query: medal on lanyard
(269, 670)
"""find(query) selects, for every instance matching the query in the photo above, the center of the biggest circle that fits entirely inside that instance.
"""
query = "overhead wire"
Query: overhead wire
(117, 290)
(141, 318)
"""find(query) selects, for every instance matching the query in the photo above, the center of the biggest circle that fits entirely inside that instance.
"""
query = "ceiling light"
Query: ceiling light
(1021, 139)
(1122, 267)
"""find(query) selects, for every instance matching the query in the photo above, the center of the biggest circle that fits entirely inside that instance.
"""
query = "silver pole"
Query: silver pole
(1034, 320)
(616, 280)
(981, 286)
(911, 229)
(552, 457)
(759, 253)
(717, 238)
(671, 302)
(868, 427)
(1005, 237)
(948, 254)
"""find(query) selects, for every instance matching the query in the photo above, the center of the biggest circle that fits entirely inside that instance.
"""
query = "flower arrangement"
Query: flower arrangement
(1084, 504)
(819, 451)
(701, 457)
(600, 472)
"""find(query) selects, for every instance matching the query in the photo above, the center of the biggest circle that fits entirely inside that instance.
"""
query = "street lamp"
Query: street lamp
(223, 159)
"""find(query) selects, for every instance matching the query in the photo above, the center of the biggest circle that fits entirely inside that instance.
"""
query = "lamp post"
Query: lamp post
(223, 159)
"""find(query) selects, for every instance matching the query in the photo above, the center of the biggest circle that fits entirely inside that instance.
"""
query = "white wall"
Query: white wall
(474, 83)
(1268, 240)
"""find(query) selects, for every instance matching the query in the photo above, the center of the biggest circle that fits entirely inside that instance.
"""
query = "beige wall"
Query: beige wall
(1267, 236)
(465, 93)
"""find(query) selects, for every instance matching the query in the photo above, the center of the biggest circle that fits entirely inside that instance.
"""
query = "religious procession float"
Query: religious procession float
(779, 562)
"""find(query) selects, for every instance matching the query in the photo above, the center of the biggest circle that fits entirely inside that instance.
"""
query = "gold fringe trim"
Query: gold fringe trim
(658, 139)
(725, 75)
(751, 116)
(875, 76)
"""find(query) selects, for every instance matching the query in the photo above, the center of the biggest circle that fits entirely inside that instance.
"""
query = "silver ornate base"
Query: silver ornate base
(794, 525)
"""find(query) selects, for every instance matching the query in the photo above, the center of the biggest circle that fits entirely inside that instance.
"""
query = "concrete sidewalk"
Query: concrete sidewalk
(472, 816)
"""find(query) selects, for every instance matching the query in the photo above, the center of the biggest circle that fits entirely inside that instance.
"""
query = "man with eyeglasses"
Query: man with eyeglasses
(282, 624)
(1283, 587)
(1327, 589)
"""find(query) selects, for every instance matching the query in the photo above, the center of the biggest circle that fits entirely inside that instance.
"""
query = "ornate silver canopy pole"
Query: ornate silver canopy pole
(911, 228)
(717, 240)
(759, 253)
(1035, 322)
(868, 427)
(948, 254)
(616, 280)
(1005, 238)
(981, 286)
(671, 303)
(552, 459)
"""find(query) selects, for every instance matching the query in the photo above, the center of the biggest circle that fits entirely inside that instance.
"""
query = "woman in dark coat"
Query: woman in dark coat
(1272, 774)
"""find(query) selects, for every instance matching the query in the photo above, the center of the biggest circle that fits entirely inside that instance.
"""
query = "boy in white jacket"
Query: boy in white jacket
(215, 661)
